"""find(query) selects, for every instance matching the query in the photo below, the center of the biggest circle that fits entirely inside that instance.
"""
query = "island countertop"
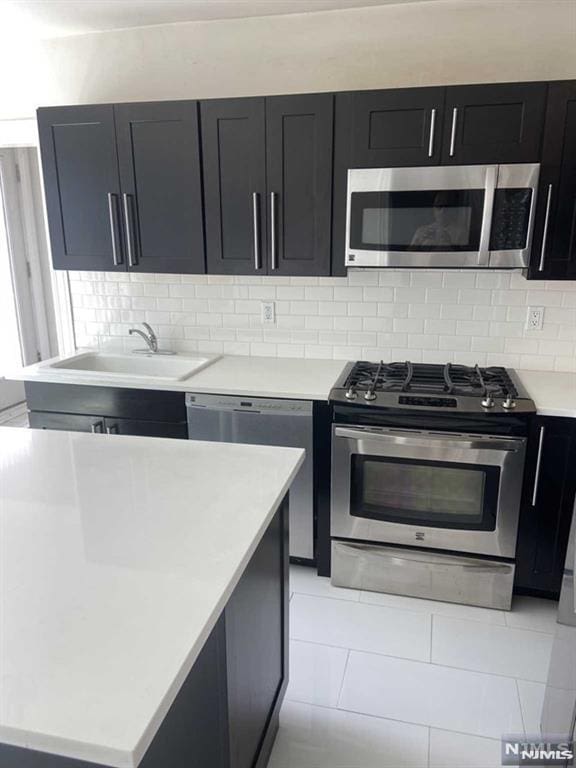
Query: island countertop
(118, 554)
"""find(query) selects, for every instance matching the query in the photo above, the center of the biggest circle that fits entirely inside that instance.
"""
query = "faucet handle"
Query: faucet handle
(150, 330)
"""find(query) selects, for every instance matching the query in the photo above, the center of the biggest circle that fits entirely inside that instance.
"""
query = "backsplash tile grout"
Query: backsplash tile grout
(424, 315)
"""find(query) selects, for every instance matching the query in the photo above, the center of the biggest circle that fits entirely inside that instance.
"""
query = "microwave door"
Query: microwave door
(411, 217)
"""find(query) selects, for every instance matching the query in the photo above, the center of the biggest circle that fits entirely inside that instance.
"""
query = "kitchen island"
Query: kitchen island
(143, 600)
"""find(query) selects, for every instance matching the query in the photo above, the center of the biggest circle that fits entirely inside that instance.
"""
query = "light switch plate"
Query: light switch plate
(535, 318)
(268, 313)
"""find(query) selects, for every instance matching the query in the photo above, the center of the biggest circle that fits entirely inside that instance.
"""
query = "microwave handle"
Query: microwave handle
(491, 180)
(425, 441)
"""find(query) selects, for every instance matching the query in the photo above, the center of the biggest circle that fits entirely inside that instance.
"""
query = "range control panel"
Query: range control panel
(430, 402)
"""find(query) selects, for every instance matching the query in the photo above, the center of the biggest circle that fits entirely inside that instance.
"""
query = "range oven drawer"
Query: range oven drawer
(429, 575)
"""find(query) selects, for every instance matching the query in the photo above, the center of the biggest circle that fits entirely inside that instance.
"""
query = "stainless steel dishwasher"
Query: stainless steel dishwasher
(260, 421)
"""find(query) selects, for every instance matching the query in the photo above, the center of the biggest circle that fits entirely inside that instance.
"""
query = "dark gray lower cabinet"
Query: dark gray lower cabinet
(112, 410)
(255, 649)
(549, 491)
(226, 713)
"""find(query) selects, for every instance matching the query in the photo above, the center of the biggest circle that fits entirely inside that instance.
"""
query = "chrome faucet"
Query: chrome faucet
(151, 340)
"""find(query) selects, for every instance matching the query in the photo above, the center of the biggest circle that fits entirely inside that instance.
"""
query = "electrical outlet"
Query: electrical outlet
(535, 318)
(268, 313)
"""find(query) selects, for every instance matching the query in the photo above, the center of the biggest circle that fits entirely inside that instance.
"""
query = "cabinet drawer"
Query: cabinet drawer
(65, 422)
(144, 404)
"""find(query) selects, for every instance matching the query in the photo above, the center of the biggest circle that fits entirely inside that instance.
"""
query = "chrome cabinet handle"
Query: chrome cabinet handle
(97, 427)
(273, 254)
(453, 134)
(545, 231)
(129, 224)
(113, 215)
(432, 128)
(538, 464)
(256, 228)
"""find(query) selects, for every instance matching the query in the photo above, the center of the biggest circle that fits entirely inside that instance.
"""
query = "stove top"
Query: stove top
(432, 386)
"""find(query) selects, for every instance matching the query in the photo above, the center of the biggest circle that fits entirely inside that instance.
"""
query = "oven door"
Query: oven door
(420, 217)
(447, 491)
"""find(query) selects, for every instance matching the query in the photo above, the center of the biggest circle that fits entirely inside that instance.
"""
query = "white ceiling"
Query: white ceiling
(57, 18)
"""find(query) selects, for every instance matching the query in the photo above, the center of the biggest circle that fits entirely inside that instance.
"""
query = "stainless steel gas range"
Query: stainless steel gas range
(427, 467)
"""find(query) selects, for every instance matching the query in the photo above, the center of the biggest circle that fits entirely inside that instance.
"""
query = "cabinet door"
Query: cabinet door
(256, 645)
(381, 129)
(554, 249)
(66, 422)
(550, 486)
(234, 164)
(299, 178)
(494, 123)
(80, 168)
(159, 157)
(391, 128)
(146, 428)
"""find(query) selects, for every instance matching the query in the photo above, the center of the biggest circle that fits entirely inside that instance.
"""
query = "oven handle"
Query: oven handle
(395, 438)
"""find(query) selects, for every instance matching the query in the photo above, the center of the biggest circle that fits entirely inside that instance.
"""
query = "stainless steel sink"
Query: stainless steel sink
(107, 365)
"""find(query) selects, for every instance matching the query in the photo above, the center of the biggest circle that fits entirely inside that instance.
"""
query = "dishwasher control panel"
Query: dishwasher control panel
(252, 404)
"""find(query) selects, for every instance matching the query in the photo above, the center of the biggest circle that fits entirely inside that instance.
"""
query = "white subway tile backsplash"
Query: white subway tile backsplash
(459, 316)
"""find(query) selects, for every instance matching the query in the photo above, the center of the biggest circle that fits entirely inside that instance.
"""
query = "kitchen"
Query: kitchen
(376, 268)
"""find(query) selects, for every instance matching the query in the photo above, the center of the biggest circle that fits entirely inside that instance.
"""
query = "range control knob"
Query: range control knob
(488, 402)
(369, 395)
(509, 403)
(350, 394)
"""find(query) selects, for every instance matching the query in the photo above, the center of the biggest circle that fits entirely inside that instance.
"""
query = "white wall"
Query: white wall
(459, 316)
(449, 41)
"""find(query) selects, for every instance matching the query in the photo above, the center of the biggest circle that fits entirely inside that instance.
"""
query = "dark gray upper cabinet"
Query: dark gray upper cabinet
(123, 186)
(382, 129)
(234, 160)
(159, 158)
(268, 184)
(493, 123)
(80, 167)
(554, 245)
(299, 133)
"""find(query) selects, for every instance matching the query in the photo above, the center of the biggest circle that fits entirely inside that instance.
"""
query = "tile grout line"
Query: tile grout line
(408, 722)
(420, 661)
(431, 635)
(343, 678)
(412, 611)
(392, 719)
(520, 706)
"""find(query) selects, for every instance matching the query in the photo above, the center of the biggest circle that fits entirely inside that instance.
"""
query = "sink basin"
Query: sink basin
(133, 366)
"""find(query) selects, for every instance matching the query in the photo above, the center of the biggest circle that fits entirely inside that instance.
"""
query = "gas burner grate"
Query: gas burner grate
(430, 379)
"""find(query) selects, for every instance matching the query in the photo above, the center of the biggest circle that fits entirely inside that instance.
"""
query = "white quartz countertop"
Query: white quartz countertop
(299, 379)
(117, 556)
(553, 392)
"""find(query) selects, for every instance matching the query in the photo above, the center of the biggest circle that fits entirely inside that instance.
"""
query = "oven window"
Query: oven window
(421, 221)
(451, 495)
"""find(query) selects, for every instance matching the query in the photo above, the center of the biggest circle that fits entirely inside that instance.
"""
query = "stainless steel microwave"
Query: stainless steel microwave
(477, 216)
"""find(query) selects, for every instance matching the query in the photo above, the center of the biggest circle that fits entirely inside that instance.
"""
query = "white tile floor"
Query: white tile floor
(381, 681)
